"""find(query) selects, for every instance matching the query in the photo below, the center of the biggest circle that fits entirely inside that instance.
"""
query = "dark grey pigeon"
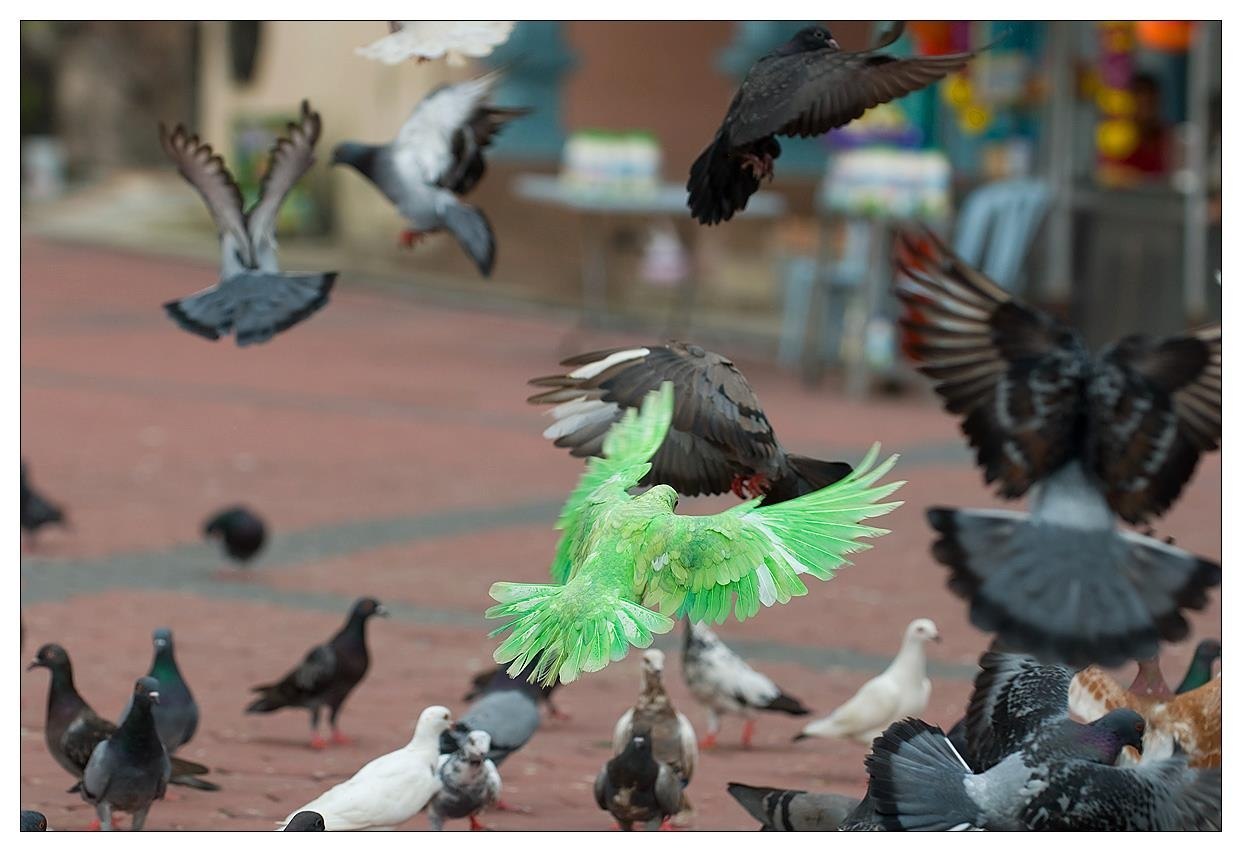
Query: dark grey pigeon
(37, 510)
(129, 770)
(176, 715)
(305, 821)
(436, 158)
(240, 530)
(793, 810)
(507, 709)
(470, 782)
(326, 676)
(33, 821)
(253, 298)
(482, 682)
(1095, 438)
(805, 87)
(635, 787)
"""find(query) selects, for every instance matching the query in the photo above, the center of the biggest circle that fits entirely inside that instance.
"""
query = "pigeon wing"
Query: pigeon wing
(84, 733)
(1014, 698)
(425, 40)
(423, 149)
(290, 158)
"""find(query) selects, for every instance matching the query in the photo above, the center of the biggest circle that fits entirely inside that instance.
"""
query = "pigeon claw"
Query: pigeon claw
(666, 825)
(409, 238)
(318, 743)
(761, 166)
(341, 739)
(475, 825)
(708, 741)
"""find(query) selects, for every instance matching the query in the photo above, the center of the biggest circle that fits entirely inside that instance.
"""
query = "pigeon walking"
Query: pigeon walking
(806, 87)
(253, 298)
(37, 510)
(326, 676)
(176, 714)
(305, 821)
(636, 787)
(1199, 672)
(436, 158)
(793, 810)
(390, 789)
(239, 530)
(469, 783)
(130, 769)
(720, 440)
(423, 41)
(619, 555)
(1094, 438)
(33, 821)
(724, 683)
(901, 690)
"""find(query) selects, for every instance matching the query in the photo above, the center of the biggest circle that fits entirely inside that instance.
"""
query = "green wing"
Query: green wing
(628, 448)
(698, 566)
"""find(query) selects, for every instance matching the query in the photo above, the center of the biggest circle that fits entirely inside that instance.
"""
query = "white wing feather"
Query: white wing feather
(423, 149)
(874, 707)
(453, 40)
(383, 794)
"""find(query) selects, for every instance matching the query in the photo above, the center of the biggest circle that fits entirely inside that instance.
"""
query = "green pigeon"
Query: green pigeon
(620, 556)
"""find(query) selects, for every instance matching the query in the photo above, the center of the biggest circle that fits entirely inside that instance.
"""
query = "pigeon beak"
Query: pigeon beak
(937, 639)
(35, 665)
(154, 696)
(832, 42)
(801, 737)
(380, 611)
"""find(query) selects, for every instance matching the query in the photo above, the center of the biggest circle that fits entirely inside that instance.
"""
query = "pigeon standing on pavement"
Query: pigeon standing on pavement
(37, 510)
(305, 821)
(436, 158)
(176, 714)
(239, 530)
(326, 676)
(1096, 439)
(1199, 672)
(390, 789)
(423, 41)
(469, 782)
(720, 439)
(806, 87)
(634, 786)
(481, 683)
(793, 810)
(724, 683)
(901, 690)
(130, 769)
(253, 298)
(33, 821)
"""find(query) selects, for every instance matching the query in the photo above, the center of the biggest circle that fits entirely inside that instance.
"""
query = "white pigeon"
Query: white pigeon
(390, 789)
(901, 690)
(427, 40)
(724, 683)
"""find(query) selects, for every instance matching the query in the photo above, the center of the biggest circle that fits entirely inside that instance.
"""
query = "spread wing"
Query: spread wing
(423, 149)
(290, 158)
(1014, 697)
(1155, 406)
(1015, 375)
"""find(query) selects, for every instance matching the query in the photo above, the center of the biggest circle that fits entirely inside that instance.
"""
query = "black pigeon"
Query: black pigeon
(1199, 672)
(793, 810)
(240, 530)
(252, 298)
(635, 787)
(1093, 437)
(130, 769)
(720, 439)
(507, 708)
(305, 821)
(327, 675)
(805, 87)
(72, 729)
(176, 715)
(33, 821)
(37, 510)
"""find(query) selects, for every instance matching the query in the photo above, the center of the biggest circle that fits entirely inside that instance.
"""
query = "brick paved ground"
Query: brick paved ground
(388, 442)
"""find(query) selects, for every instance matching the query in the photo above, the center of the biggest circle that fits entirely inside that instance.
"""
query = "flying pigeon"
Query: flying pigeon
(1192, 719)
(176, 714)
(130, 769)
(481, 683)
(73, 730)
(326, 676)
(390, 789)
(619, 555)
(469, 783)
(253, 298)
(239, 529)
(636, 787)
(724, 683)
(33, 821)
(720, 439)
(427, 40)
(900, 690)
(1199, 672)
(1093, 437)
(37, 510)
(669, 731)
(806, 87)
(793, 810)
(437, 157)
(305, 821)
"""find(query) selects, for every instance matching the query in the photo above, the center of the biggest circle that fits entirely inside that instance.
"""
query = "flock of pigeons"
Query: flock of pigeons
(1097, 439)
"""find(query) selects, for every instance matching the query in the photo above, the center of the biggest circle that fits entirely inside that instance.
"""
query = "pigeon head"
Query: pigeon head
(33, 821)
(50, 656)
(1208, 651)
(922, 630)
(433, 721)
(364, 608)
(147, 689)
(810, 39)
(162, 639)
(477, 745)
(653, 665)
(361, 157)
(639, 745)
(306, 821)
(1125, 725)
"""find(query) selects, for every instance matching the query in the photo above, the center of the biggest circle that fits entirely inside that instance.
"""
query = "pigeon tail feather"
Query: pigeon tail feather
(257, 305)
(917, 780)
(720, 183)
(787, 704)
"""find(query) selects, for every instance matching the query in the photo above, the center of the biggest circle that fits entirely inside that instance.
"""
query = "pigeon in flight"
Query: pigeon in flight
(37, 510)
(1199, 672)
(805, 87)
(636, 787)
(436, 158)
(423, 41)
(1094, 438)
(240, 530)
(720, 439)
(619, 555)
(326, 676)
(253, 298)
(469, 783)
(306, 821)
(33, 821)
(793, 810)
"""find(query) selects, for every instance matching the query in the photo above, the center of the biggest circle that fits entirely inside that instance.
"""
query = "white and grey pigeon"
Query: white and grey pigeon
(793, 810)
(426, 40)
(723, 683)
(130, 769)
(899, 691)
(253, 298)
(470, 783)
(390, 789)
(437, 157)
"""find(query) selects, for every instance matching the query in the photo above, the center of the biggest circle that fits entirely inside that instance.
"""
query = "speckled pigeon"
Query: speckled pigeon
(1094, 438)
(793, 810)
(240, 530)
(469, 783)
(720, 439)
(253, 298)
(33, 821)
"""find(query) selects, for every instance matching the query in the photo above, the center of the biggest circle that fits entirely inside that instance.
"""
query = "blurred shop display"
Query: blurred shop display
(601, 162)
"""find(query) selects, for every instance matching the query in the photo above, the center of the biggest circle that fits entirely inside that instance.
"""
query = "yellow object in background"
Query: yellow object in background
(1116, 137)
(1115, 102)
